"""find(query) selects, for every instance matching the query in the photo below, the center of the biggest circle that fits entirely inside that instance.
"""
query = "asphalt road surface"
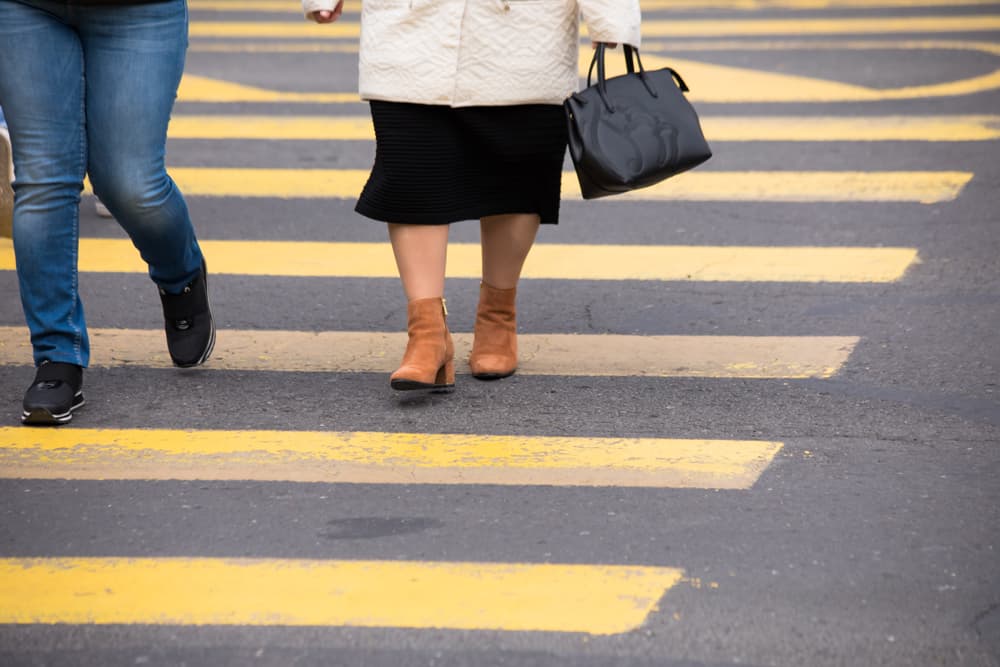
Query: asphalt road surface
(757, 420)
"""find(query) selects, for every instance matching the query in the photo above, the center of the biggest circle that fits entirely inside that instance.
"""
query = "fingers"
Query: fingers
(328, 15)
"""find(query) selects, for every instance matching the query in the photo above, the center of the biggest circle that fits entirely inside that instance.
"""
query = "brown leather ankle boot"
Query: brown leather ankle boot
(429, 360)
(494, 345)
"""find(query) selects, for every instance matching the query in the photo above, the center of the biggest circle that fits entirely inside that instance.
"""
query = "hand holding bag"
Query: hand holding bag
(632, 131)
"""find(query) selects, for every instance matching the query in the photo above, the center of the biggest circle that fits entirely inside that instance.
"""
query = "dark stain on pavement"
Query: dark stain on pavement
(368, 527)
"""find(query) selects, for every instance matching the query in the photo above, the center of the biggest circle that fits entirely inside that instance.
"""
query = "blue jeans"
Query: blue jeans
(90, 90)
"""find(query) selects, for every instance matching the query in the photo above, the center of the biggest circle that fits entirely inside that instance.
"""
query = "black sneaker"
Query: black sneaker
(188, 323)
(56, 392)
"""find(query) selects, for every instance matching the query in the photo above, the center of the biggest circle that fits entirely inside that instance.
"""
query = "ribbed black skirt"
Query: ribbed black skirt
(437, 164)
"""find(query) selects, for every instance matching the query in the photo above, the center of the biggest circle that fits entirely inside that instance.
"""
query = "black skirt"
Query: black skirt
(437, 164)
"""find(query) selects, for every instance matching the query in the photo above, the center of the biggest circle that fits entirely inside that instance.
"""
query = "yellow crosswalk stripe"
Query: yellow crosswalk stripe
(853, 128)
(282, 7)
(717, 128)
(603, 355)
(650, 28)
(754, 5)
(382, 458)
(194, 88)
(926, 187)
(546, 261)
(595, 599)
(710, 82)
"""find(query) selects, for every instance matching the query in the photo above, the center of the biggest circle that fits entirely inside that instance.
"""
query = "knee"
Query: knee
(130, 188)
(41, 196)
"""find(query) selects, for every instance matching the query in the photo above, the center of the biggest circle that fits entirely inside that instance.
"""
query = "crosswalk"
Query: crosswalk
(720, 128)
(650, 28)
(550, 261)
(594, 599)
(597, 598)
(927, 187)
(386, 458)
(589, 355)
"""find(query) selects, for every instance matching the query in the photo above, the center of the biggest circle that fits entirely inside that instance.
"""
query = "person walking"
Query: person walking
(466, 99)
(87, 88)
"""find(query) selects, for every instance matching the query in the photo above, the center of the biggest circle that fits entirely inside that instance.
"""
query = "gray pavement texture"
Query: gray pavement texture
(872, 539)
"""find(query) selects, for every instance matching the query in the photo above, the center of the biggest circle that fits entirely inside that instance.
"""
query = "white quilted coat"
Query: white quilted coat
(480, 52)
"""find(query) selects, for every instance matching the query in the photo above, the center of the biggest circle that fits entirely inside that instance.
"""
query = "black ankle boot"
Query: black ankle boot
(56, 392)
(188, 322)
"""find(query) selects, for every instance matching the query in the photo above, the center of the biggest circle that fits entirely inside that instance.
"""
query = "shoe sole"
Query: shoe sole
(412, 385)
(204, 355)
(492, 376)
(44, 417)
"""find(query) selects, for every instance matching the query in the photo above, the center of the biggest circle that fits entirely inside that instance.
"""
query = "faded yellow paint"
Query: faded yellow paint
(546, 261)
(926, 187)
(715, 27)
(725, 84)
(756, 5)
(292, 10)
(852, 128)
(195, 88)
(354, 7)
(382, 458)
(866, 25)
(717, 128)
(323, 128)
(709, 82)
(758, 44)
(275, 47)
(595, 599)
(299, 29)
(539, 354)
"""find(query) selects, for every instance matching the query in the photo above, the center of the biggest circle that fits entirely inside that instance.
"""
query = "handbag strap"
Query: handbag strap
(630, 53)
(629, 66)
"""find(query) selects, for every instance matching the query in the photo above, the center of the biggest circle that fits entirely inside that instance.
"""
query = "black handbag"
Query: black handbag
(633, 130)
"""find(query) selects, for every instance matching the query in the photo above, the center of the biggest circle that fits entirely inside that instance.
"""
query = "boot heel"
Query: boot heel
(445, 379)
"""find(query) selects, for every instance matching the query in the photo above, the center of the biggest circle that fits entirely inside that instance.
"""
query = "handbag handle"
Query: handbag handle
(630, 51)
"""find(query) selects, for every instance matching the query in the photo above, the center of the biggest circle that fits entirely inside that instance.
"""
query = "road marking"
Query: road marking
(195, 88)
(855, 128)
(271, 47)
(727, 85)
(756, 5)
(820, 26)
(714, 83)
(650, 28)
(925, 187)
(281, 7)
(547, 261)
(525, 597)
(717, 128)
(796, 357)
(382, 458)
(724, 84)
(759, 44)
(313, 128)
